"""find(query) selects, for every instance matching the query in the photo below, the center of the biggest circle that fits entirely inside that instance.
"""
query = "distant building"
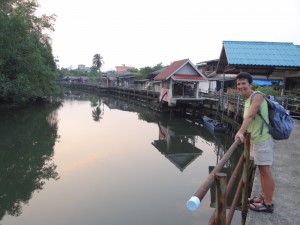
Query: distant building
(83, 67)
(124, 68)
(116, 78)
(207, 67)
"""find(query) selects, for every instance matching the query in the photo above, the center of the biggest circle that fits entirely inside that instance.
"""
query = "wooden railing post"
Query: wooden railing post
(221, 183)
(194, 202)
(245, 191)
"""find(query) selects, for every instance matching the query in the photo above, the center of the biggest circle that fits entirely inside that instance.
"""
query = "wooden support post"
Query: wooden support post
(245, 191)
(221, 183)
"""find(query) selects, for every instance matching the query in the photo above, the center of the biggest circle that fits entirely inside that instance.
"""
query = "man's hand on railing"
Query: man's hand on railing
(240, 137)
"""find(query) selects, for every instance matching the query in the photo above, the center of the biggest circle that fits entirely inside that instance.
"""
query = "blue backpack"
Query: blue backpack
(281, 124)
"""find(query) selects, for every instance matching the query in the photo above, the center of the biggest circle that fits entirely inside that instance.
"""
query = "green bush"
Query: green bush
(268, 90)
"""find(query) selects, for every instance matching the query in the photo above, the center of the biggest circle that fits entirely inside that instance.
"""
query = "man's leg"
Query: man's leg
(267, 183)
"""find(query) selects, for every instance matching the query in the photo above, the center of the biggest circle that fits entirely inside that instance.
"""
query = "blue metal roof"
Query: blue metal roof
(266, 82)
(262, 53)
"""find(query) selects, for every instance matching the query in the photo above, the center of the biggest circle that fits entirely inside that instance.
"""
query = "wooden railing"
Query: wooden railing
(291, 104)
(223, 188)
(288, 102)
(228, 100)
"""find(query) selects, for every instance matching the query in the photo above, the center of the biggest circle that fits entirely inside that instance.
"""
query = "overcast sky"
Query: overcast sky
(143, 33)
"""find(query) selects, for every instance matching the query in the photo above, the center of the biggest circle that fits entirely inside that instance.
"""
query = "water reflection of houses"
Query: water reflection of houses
(178, 139)
(178, 145)
(120, 104)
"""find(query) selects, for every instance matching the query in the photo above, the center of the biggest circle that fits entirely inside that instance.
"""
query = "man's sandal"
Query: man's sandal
(261, 207)
(255, 199)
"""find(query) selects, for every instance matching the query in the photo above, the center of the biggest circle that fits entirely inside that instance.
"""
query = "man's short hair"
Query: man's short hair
(245, 75)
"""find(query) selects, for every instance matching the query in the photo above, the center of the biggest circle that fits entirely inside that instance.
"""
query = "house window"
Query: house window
(165, 84)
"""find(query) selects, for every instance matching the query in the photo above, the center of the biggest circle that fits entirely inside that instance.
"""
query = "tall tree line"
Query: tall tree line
(27, 66)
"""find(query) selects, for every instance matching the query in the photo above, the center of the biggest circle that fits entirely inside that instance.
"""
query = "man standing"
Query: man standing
(261, 141)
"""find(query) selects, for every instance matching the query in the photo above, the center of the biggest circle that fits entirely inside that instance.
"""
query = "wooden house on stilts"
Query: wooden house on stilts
(179, 81)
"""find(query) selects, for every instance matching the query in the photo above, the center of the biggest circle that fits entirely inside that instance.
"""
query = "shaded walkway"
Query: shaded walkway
(286, 173)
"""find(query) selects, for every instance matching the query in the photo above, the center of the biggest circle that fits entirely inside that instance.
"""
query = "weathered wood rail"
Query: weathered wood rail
(107, 89)
(220, 217)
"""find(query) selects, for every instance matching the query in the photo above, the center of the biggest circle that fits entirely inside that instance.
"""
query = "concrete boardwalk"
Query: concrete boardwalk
(286, 173)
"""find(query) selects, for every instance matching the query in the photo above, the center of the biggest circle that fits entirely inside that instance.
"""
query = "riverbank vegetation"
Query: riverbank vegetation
(95, 73)
(27, 66)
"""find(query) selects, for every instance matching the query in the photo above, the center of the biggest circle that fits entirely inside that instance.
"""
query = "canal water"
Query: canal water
(102, 160)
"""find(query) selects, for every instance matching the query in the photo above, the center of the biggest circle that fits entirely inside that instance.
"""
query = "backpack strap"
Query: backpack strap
(264, 122)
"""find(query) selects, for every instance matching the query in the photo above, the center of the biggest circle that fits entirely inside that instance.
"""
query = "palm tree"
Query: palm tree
(98, 62)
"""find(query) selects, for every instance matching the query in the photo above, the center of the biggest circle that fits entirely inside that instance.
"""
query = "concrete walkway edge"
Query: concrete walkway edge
(286, 173)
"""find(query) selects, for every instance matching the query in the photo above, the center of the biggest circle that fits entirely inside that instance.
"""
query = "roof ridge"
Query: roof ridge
(263, 42)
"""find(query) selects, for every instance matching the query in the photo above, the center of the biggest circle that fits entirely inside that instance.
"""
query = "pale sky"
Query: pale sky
(144, 33)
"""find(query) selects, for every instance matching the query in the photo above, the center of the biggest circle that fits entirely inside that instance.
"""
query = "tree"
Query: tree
(27, 66)
(144, 71)
(98, 62)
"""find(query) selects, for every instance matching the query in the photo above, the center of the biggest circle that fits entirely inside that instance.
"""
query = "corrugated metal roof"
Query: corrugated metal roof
(262, 53)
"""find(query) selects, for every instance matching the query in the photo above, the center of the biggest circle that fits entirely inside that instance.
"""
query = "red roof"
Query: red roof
(168, 71)
(175, 67)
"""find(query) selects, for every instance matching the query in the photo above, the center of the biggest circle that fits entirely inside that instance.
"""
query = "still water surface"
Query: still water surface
(99, 160)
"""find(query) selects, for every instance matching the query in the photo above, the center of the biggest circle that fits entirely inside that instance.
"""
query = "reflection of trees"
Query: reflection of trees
(26, 150)
(97, 113)
(94, 100)
(144, 111)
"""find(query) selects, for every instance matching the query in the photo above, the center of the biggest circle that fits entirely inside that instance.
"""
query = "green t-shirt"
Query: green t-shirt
(255, 125)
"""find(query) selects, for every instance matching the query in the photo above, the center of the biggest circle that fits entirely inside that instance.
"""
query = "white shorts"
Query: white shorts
(263, 152)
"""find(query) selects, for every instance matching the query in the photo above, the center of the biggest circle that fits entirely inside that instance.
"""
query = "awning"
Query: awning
(221, 79)
(185, 77)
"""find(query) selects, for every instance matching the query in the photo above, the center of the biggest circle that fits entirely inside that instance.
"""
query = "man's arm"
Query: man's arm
(257, 100)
